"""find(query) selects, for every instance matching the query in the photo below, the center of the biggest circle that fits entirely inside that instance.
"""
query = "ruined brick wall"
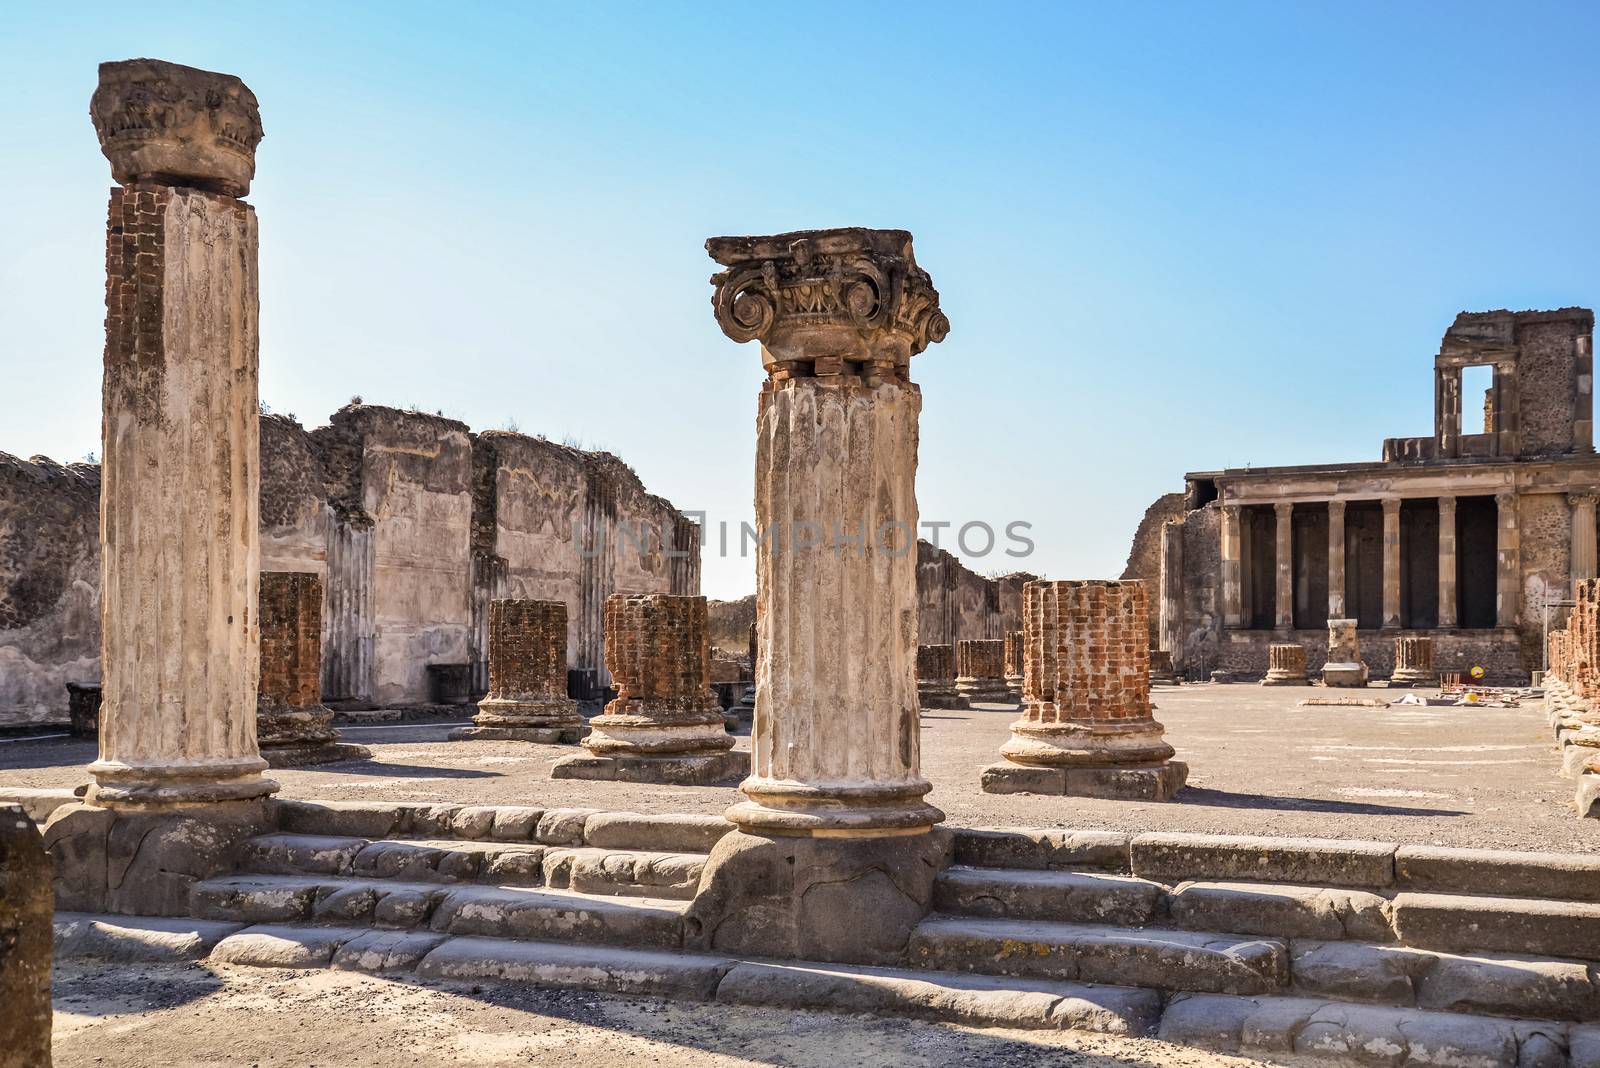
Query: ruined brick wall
(1087, 651)
(936, 662)
(1144, 556)
(296, 517)
(49, 586)
(657, 653)
(982, 658)
(527, 649)
(290, 609)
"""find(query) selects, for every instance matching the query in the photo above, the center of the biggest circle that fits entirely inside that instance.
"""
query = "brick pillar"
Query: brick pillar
(936, 677)
(292, 724)
(1508, 557)
(1344, 666)
(527, 698)
(1013, 665)
(1086, 726)
(179, 525)
(1286, 665)
(1391, 562)
(665, 724)
(981, 671)
(1447, 562)
(1583, 535)
(1413, 663)
(1335, 559)
(1283, 592)
(1231, 568)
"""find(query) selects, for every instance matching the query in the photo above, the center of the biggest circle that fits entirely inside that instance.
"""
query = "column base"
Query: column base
(667, 734)
(1275, 679)
(549, 721)
(300, 756)
(1344, 675)
(1014, 688)
(1412, 679)
(1086, 744)
(675, 769)
(1156, 782)
(940, 693)
(541, 735)
(833, 810)
(118, 784)
(984, 691)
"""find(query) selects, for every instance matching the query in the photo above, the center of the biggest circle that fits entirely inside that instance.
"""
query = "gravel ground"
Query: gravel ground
(127, 1016)
(1259, 764)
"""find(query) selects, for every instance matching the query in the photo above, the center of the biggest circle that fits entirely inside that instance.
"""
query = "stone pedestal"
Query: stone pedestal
(527, 699)
(665, 725)
(1086, 726)
(293, 726)
(27, 907)
(1344, 666)
(180, 533)
(1286, 665)
(936, 677)
(1161, 670)
(980, 671)
(1413, 663)
(1013, 666)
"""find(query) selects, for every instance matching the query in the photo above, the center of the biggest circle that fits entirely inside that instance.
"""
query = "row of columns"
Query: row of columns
(1508, 578)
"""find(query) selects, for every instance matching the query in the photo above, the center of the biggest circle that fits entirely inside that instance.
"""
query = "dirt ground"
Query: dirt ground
(128, 1016)
(1259, 764)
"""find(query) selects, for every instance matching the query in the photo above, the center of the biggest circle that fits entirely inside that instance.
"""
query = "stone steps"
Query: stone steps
(1308, 1030)
(588, 869)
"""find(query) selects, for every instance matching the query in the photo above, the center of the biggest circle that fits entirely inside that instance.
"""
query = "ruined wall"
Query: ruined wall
(49, 586)
(1202, 594)
(728, 624)
(1544, 521)
(1144, 557)
(1546, 354)
(956, 604)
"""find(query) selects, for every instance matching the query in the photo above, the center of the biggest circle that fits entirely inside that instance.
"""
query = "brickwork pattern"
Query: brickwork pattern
(1013, 652)
(527, 649)
(291, 639)
(1286, 659)
(1088, 652)
(982, 658)
(657, 651)
(936, 662)
(1413, 654)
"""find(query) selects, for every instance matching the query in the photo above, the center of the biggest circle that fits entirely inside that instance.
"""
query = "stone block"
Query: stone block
(1008, 778)
(383, 952)
(284, 946)
(1437, 869)
(671, 833)
(563, 826)
(699, 769)
(1021, 847)
(1498, 924)
(364, 819)
(1067, 896)
(137, 939)
(1176, 857)
(1157, 783)
(607, 969)
(1282, 911)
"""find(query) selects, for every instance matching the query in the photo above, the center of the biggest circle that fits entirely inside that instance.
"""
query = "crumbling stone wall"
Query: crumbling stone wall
(1544, 521)
(1546, 357)
(728, 624)
(1144, 557)
(956, 604)
(49, 586)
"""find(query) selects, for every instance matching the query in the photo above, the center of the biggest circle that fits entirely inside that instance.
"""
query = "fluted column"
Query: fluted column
(1508, 560)
(1283, 594)
(1335, 559)
(1583, 535)
(179, 527)
(1231, 568)
(1447, 561)
(839, 313)
(1170, 624)
(1391, 562)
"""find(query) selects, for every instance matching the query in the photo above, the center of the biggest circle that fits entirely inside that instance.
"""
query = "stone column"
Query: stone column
(292, 724)
(834, 821)
(1447, 394)
(1170, 626)
(1283, 594)
(1344, 666)
(1391, 562)
(980, 671)
(936, 678)
(1231, 568)
(1583, 535)
(665, 724)
(1335, 559)
(1286, 665)
(179, 527)
(1086, 728)
(527, 699)
(1413, 663)
(1508, 407)
(1508, 560)
(1447, 562)
(26, 909)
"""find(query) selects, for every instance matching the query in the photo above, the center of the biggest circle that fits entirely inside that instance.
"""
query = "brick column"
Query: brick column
(936, 677)
(665, 724)
(1231, 567)
(179, 526)
(1335, 559)
(1508, 557)
(1413, 663)
(1391, 562)
(1013, 665)
(980, 671)
(527, 698)
(1086, 727)
(1283, 594)
(292, 724)
(1583, 535)
(1447, 562)
(1286, 665)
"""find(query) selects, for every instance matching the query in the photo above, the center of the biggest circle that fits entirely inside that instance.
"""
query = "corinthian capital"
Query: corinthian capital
(820, 301)
(177, 125)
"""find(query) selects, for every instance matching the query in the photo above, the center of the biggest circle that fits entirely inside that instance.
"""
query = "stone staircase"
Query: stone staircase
(1337, 952)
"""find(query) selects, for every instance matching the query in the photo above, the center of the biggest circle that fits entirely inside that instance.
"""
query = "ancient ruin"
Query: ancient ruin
(1286, 665)
(293, 726)
(664, 724)
(1413, 662)
(1013, 665)
(527, 699)
(1086, 726)
(936, 678)
(26, 904)
(980, 671)
(1344, 666)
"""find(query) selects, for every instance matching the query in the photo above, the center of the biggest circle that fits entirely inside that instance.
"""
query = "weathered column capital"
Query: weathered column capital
(1447, 504)
(177, 125)
(1583, 500)
(1336, 508)
(821, 300)
(1283, 509)
(1391, 506)
(1505, 499)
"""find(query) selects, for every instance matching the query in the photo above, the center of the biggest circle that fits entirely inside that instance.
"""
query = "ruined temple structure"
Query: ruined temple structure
(1572, 695)
(1464, 536)
(980, 671)
(664, 725)
(1013, 665)
(293, 726)
(1086, 728)
(527, 699)
(936, 678)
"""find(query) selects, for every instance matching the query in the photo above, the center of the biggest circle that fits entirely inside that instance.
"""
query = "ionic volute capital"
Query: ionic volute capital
(844, 297)
(1583, 499)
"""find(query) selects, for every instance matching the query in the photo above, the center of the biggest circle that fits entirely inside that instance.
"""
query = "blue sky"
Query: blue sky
(1168, 237)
